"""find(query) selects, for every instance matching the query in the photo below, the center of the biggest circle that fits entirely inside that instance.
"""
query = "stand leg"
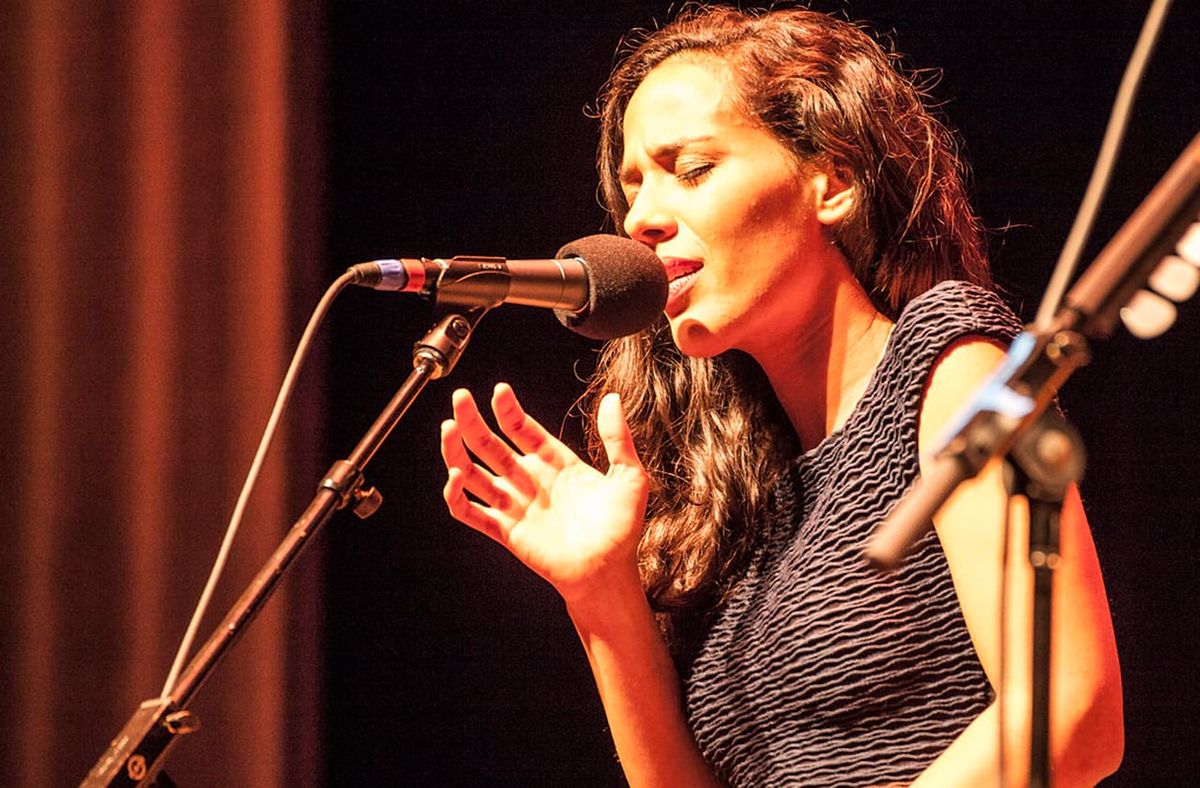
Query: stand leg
(136, 756)
(1043, 556)
(1045, 460)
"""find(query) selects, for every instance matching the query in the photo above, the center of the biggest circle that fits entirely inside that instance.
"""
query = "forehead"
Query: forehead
(682, 96)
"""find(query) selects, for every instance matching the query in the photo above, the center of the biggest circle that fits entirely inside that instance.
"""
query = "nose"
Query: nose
(648, 221)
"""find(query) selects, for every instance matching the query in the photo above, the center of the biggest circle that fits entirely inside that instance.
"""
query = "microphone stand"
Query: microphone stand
(1010, 416)
(135, 757)
(1043, 462)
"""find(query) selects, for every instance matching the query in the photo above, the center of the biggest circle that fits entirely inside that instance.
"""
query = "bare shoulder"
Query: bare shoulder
(959, 372)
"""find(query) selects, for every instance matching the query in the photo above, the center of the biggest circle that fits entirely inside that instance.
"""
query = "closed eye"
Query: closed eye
(694, 175)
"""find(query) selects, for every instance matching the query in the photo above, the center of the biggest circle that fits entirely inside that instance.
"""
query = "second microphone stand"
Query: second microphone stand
(135, 757)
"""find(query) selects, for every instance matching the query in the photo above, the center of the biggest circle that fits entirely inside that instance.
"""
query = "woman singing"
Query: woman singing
(830, 310)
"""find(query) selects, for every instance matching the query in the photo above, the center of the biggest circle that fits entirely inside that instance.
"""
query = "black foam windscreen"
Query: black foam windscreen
(627, 287)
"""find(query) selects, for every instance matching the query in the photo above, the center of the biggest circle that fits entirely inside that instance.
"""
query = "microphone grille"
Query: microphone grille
(627, 287)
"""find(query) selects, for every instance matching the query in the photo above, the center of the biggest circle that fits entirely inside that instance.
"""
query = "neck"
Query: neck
(821, 374)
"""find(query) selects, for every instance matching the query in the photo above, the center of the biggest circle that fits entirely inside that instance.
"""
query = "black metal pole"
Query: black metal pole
(1043, 557)
(1045, 460)
(135, 757)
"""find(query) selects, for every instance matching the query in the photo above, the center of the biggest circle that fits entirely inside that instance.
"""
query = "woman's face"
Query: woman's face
(737, 221)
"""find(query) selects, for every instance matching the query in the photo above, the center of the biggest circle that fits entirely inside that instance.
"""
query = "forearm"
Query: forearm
(1082, 754)
(639, 687)
(973, 759)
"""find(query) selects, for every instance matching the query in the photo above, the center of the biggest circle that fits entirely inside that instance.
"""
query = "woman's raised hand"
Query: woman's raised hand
(561, 517)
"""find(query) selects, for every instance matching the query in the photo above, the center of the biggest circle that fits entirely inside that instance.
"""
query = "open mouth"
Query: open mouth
(677, 268)
(679, 284)
(680, 276)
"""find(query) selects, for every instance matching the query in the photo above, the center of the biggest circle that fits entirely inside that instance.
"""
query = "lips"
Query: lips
(681, 275)
(677, 267)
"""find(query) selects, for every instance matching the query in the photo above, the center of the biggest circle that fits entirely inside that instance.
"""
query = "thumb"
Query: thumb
(614, 433)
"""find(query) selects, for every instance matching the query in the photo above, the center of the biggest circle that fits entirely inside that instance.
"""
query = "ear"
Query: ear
(834, 194)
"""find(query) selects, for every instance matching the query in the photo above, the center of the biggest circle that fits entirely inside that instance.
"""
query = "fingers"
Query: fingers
(488, 447)
(466, 511)
(525, 432)
(478, 436)
(496, 515)
(614, 433)
(473, 478)
(482, 464)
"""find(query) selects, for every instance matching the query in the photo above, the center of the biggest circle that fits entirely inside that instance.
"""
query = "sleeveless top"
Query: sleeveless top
(819, 670)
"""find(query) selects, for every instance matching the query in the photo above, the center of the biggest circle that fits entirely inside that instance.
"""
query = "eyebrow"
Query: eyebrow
(666, 150)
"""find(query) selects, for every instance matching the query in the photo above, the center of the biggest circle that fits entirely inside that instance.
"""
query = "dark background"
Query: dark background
(460, 129)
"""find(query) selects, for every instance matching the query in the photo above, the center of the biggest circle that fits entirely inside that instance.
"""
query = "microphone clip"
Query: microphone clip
(1007, 417)
(467, 281)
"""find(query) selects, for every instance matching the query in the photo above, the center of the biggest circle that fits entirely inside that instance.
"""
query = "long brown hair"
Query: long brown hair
(710, 431)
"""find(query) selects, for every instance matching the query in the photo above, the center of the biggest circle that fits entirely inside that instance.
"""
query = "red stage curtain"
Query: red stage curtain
(160, 234)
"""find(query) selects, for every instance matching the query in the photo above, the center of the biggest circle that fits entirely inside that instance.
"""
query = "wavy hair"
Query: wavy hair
(710, 431)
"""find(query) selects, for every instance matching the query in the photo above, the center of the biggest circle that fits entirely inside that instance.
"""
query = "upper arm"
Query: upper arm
(971, 526)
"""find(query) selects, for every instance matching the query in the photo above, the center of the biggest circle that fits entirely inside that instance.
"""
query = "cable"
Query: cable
(1068, 259)
(281, 400)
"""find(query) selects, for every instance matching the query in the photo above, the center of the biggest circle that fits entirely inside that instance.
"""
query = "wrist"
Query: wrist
(614, 598)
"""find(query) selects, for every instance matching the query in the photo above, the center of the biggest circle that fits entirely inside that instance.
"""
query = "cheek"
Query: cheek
(752, 234)
(772, 239)
(783, 205)
(775, 213)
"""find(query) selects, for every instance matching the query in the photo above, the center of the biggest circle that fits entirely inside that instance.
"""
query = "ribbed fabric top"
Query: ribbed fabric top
(820, 670)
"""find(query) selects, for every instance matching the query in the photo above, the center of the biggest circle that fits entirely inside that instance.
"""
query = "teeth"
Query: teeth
(680, 281)
(682, 271)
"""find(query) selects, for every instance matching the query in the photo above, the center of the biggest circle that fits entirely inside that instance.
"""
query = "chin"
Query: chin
(695, 339)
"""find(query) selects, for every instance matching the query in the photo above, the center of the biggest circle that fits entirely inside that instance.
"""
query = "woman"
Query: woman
(828, 314)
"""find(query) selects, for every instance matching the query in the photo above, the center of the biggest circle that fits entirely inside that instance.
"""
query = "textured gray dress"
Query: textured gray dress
(819, 670)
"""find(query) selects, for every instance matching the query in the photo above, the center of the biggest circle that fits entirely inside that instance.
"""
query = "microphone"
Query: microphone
(600, 286)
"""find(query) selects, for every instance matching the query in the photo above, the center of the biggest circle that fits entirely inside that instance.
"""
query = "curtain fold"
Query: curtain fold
(160, 178)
